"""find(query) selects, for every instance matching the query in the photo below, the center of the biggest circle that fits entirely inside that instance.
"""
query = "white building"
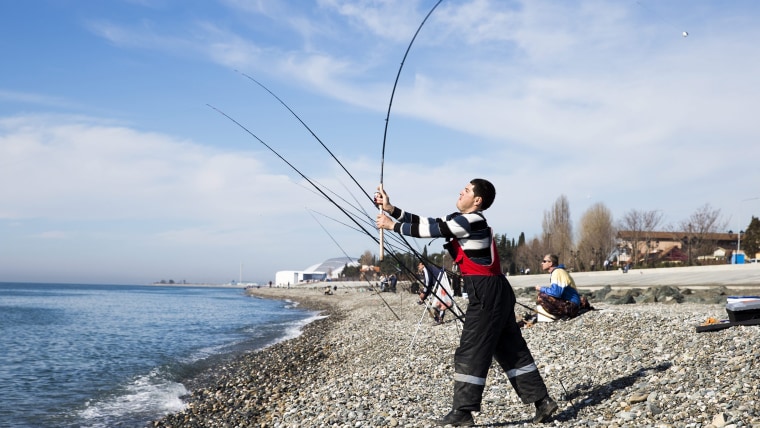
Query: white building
(330, 268)
(295, 277)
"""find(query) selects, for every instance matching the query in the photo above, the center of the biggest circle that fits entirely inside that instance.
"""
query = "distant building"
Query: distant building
(673, 246)
(295, 277)
(330, 268)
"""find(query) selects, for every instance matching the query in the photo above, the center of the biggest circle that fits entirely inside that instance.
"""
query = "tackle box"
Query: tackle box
(742, 308)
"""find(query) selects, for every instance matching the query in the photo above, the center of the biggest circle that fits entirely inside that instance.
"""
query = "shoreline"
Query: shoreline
(256, 380)
(636, 364)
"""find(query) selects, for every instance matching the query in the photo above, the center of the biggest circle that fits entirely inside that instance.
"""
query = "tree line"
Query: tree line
(595, 241)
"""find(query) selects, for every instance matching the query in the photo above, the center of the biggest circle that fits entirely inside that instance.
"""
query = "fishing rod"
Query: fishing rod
(349, 257)
(322, 144)
(527, 307)
(390, 104)
(305, 178)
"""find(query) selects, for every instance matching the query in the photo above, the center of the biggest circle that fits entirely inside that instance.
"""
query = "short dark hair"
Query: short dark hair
(485, 190)
(554, 258)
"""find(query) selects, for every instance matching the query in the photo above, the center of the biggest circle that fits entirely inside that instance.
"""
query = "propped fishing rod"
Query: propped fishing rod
(381, 243)
(390, 104)
(349, 257)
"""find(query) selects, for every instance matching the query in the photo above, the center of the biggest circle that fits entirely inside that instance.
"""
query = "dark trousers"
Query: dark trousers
(491, 332)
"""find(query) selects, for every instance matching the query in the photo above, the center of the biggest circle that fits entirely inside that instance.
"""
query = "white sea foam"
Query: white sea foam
(147, 395)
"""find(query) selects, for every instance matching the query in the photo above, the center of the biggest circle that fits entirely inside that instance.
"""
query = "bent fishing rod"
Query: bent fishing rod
(390, 104)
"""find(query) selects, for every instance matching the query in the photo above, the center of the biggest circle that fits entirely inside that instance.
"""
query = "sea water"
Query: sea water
(117, 355)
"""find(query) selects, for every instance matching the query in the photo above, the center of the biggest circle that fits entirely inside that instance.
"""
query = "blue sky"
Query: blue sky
(114, 169)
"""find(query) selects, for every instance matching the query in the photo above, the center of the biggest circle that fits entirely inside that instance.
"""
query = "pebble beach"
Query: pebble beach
(379, 360)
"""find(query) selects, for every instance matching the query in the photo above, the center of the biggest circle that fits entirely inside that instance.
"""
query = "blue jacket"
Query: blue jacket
(562, 286)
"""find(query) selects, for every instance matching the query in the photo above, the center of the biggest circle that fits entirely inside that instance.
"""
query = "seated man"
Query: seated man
(560, 299)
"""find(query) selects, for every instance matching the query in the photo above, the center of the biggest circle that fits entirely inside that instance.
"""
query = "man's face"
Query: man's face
(467, 201)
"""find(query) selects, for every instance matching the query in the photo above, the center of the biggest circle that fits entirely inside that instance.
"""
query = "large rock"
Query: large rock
(621, 296)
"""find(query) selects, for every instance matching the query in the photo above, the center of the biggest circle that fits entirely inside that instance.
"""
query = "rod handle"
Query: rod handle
(382, 234)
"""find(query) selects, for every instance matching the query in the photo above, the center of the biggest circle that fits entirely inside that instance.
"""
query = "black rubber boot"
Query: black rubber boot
(544, 408)
(457, 418)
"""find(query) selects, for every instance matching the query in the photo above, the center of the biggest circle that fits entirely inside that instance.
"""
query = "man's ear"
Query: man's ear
(478, 200)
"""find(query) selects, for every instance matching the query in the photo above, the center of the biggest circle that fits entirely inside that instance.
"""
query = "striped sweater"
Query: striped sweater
(471, 230)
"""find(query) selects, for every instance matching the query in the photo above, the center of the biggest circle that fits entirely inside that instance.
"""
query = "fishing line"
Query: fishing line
(356, 200)
(358, 209)
(404, 268)
(335, 220)
(401, 266)
(353, 228)
(296, 170)
(310, 131)
(380, 240)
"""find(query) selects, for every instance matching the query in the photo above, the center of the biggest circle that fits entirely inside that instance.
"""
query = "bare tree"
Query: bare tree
(640, 224)
(558, 229)
(367, 259)
(597, 235)
(528, 255)
(700, 228)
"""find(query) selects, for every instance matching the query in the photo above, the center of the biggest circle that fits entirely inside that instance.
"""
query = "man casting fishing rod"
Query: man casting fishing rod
(490, 329)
